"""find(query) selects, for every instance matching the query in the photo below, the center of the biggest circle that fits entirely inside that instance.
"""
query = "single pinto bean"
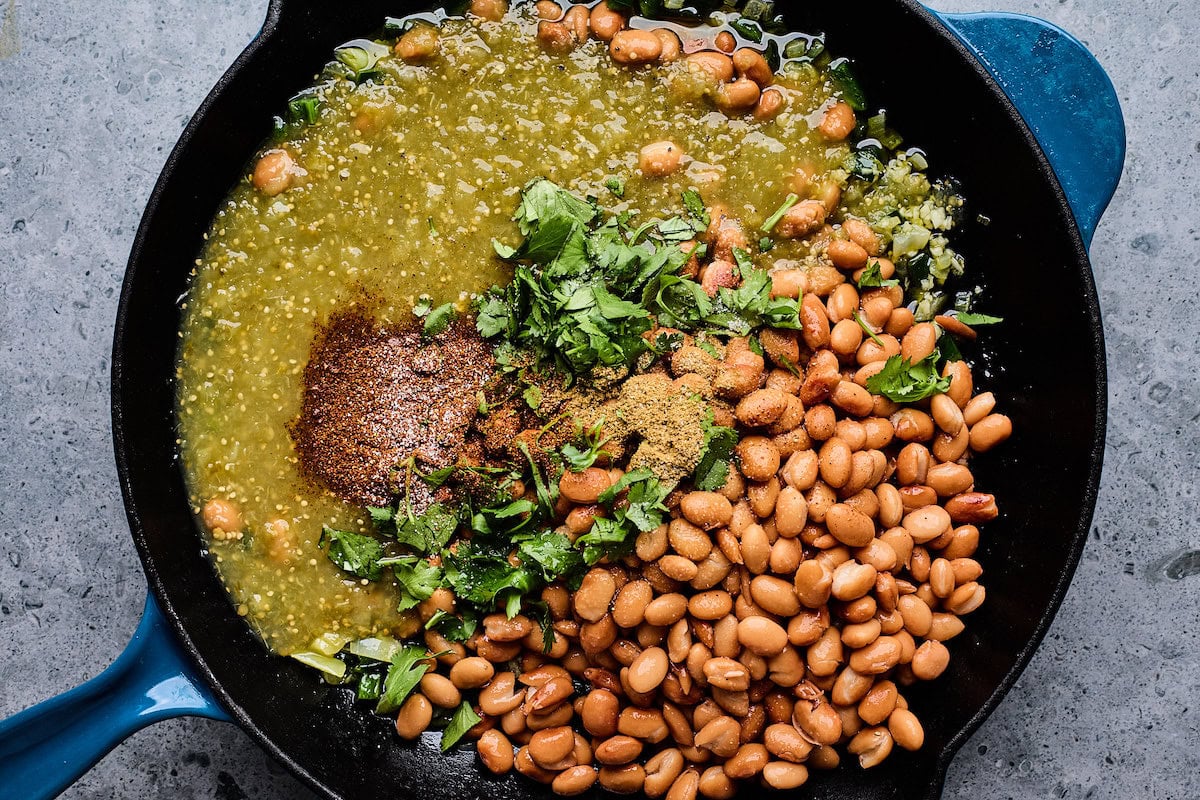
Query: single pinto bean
(273, 174)
(802, 219)
(415, 715)
(419, 43)
(769, 104)
(617, 750)
(600, 713)
(495, 751)
(838, 122)
(762, 636)
(737, 96)
(595, 594)
(550, 746)
(659, 159)
(849, 526)
(671, 46)
(648, 670)
(751, 64)
(972, 507)
(584, 487)
(574, 780)
(605, 22)
(989, 432)
(708, 510)
(634, 47)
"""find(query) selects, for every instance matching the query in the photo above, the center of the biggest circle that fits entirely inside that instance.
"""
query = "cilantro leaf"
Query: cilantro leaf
(552, 552)
(644, 495)
(355, 553)
(404, 673)
(973, 319)
(532, 396)
(417, 578)
(439, 319)
(429, 531)
(947, 348)
(902, 381)
(713, 467)
(606, 536)
(872, 278)
(539, 611)
(578, 459)
(694, 204)
(456, 629)
(480, 576)
(542, 201)
(615, 185)
(463, 720)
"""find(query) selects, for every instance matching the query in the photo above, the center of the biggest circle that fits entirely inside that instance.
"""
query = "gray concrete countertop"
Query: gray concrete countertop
(94, 94)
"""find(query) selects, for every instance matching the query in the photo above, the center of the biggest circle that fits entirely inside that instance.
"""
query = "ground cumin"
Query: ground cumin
(653, 420)
(375, 397)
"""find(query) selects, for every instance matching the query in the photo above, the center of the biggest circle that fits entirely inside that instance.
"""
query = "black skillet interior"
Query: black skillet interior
(1045, 361)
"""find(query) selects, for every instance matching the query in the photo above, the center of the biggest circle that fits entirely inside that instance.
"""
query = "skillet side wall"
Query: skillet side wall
(1029, 258)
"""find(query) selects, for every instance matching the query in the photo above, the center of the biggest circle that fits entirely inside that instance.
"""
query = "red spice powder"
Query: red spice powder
(375, 397)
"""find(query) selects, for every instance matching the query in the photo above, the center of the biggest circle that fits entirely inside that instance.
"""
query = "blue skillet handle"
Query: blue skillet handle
(1065, 97)
(45, 748)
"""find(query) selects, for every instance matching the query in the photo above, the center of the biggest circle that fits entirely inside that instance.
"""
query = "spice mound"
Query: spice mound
(376, 397)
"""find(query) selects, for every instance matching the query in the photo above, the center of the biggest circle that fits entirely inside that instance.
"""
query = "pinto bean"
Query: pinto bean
(659, 159)
(635, 47)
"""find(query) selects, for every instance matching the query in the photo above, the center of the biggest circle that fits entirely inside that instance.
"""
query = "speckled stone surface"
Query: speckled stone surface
(94, 94)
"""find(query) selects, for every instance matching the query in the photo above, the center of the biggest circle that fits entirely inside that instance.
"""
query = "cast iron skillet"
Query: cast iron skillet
(1046, 361)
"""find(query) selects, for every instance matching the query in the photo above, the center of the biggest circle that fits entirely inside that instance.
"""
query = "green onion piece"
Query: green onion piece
(773, 220)
(360, 56)
(867, 329)
(329, 643)
(759, 10)
(796, 48)
(304, 108)
(330, 666)
(748, 29)
(377, 648)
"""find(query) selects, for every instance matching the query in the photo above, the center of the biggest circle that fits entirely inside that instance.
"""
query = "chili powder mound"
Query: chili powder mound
(375, 397)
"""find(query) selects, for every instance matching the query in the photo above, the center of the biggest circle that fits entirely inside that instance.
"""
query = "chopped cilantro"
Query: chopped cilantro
(713, 467)
(417, 579)
(606, 536)
(947, 347)
(902, 381)
(429, 531)
(304, 108)
(694, 204)
(463, 720)
(971, 318)
(644, 495)
(404, 673)
(578, 459)
(481, 575)
(456, 629)
(423, 306)
(552, 552)
(872, 278)
(439, 319)
(616, 186)
(532, 396)
(355, 553)
(766, 244)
